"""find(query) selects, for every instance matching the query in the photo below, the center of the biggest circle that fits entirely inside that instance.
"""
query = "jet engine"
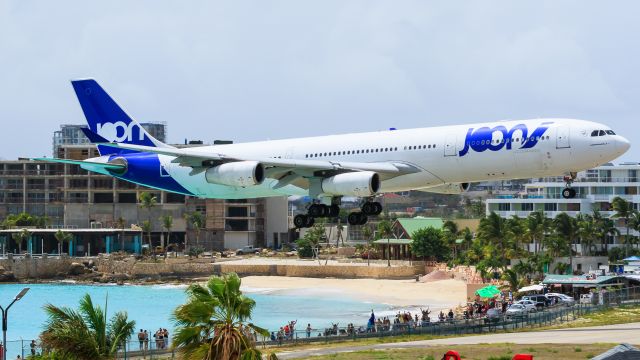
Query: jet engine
(362, 183)
(238, 173)
(452, 189)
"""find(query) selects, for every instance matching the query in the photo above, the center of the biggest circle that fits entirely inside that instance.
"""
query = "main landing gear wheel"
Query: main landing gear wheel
(371, 208)
(357, 218)
(303, 221)
(568, 193)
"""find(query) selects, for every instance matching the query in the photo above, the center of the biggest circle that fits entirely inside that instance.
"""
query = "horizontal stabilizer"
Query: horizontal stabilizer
(105, 166)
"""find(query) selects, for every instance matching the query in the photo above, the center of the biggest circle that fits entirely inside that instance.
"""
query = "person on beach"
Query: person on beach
(309, 330)
(141, 338)
(146, 340)
(33, 347)
(372, 322)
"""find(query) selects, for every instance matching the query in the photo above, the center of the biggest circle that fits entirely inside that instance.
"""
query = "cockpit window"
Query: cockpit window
(594, 133)
(610, 132)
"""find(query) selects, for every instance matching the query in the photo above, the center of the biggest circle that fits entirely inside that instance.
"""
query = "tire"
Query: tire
(334, 211)
(568, 193)
(368, 208)
(326, 210)
(310, 221)
(378, 207)
(363, 219)
(316, 210)
(354, 218)
(300, 221)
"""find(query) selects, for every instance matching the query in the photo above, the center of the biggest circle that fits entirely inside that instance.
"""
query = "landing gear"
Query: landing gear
(316, 211)
(568, 192)
(371, 208)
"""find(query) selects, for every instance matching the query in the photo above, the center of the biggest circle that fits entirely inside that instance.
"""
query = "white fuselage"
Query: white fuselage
(445, 154)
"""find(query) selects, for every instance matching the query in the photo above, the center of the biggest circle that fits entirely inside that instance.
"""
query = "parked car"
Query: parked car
(517, 310)
(493, 315)
(528, 304)
(541, 301)
(249, 249)
(586, 298)
(561, 298)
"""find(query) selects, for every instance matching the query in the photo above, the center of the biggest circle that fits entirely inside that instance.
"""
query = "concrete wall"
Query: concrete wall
(37, 268)
(277, 221)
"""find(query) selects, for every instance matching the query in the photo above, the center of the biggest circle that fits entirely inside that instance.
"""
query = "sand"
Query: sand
(441, 294)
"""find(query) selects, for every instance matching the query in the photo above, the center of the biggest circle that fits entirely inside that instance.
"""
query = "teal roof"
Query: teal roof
(578, 280)
(411, 225)
(393, 241)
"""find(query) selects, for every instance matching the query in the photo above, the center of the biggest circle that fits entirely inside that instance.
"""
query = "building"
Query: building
(595, 189)
(79, 201)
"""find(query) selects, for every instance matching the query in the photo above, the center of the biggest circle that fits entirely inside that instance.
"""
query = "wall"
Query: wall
(40, 268)
(277, 219)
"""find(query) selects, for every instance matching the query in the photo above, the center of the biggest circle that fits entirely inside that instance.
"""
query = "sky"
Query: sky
(256, 70)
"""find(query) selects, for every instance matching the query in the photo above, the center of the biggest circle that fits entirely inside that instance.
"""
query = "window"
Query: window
(610, 132)
(594, 133)
(434, 146)
(504, 207)
(601, 133)
(550, 207)
(527, 206)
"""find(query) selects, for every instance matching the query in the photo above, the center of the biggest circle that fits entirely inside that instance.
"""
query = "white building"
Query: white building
(595, 189)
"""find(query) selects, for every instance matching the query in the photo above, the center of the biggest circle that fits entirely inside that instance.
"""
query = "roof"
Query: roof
(393, 241)
(578, 280)
(69, 230)
(622, 351)
(411, 225)
(632, 258)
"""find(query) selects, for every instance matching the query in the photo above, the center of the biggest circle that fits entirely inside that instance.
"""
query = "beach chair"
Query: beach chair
(451, 355)
(522, 357)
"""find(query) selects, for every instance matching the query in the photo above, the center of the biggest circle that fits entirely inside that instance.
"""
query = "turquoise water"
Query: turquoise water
(151, 306)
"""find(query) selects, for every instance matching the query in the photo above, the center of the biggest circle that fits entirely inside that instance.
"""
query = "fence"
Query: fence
(549, 316)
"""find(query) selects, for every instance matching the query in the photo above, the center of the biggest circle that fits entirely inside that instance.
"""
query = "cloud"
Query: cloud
(248, 70)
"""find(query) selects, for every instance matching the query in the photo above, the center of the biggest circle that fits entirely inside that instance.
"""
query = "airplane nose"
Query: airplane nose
(622, 144)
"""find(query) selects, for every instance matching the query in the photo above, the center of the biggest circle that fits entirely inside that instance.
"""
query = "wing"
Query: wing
(286, 171)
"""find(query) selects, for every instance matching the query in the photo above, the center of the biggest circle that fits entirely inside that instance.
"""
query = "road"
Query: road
(629, 333)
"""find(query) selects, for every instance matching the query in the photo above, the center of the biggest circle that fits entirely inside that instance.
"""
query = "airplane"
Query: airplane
(443, 159)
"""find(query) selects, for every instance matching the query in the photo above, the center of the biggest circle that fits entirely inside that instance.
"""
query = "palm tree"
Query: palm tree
(197, 221)
(535, 229)
(493, 233)
(146, 228)
(624, 210)
(121, 223)
(450, 232)
(367, 233)
(85, 333)
(20, 237)
(213, 324)
(634, 223)
(566, 229)
(513, 278)
(587, 233)
(62, 237)
(167, 224)
(148, 201)
(385, 231)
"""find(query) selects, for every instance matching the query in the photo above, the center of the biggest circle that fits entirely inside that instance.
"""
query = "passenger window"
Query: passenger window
(434, 146)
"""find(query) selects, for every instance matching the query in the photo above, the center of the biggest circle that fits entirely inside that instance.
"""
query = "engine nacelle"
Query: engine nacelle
(238, 173)
(362, 183)
(452, 189)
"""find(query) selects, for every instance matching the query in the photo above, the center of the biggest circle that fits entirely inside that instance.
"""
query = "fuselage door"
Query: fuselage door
(562, 137)
(450, 145)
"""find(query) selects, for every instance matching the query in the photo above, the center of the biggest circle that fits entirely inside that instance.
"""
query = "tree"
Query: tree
(367, 233)
(20, 237)
(493, 233)
(148, 201)
(429, 242)
(385, 231)
(567, 230)
(167, 224)
(62, 238)
(535, 229)
(146, 228)
(197, 222)
(624, 210)
(121, 223)
(213, 324)
(85, 333)
(311, 240)
(450, 235)
(587, 233)
(513, 278)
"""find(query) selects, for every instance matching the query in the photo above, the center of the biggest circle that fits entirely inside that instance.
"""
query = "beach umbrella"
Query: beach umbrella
(531, 288)
(488, 291)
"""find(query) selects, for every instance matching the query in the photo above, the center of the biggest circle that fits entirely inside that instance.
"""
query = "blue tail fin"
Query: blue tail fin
(106, 119)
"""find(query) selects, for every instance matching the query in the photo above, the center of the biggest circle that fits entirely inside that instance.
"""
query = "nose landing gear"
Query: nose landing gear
(568, 192)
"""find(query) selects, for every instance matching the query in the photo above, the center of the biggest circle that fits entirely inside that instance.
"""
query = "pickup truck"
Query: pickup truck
(249, 249)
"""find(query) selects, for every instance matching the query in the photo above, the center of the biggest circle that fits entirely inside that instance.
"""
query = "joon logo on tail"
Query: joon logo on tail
(483, 138)
(119, 131)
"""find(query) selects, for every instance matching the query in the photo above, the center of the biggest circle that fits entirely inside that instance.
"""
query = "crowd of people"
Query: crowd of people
(161, 338)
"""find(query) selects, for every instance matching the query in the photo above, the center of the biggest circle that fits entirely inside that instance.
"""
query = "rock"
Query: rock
(7, 276)
(76, 269)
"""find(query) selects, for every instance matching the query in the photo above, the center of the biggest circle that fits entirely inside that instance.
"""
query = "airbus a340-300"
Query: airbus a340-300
(441, 159)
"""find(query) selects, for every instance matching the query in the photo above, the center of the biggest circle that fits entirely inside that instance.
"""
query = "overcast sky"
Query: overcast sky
(260, 70)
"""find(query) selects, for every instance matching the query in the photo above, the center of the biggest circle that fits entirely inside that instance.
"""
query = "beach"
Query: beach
(441, 294)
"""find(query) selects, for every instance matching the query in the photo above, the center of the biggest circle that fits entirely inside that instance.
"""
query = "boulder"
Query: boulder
(76, 269)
